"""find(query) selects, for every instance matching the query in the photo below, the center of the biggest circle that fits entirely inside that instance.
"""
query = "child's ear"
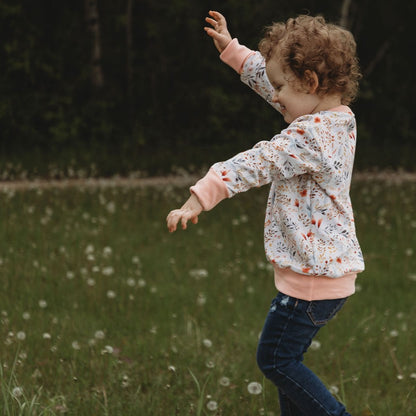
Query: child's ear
(311, 81)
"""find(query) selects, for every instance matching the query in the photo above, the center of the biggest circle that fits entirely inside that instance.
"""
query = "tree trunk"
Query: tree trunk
(129, 43)
(93, 24)
(345, 12)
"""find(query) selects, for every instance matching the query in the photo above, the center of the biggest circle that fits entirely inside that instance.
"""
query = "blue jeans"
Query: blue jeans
(288, 332)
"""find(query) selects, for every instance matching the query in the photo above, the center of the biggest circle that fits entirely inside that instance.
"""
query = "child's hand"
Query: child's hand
(189, 211)
(219, 31)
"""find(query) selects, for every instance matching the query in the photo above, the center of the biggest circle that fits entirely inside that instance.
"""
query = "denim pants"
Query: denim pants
(288, 332)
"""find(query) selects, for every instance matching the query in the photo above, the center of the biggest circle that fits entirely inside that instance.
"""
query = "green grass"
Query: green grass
(103, 312)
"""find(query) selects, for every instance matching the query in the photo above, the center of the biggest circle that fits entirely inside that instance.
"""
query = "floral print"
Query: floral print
(309, 224)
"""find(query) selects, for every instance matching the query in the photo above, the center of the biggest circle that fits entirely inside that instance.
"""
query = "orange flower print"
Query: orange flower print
(224, 176)
(297, 203)
(304, 192)
(317, 120)
(306, 269)
(300, 131)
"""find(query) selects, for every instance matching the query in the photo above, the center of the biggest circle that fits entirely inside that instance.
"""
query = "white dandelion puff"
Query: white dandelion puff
(333, 389)
(201, 300)
(108, 271)
(131, 282)
(315, 345)
(212, 405)
(111, 294)
(99, 334)
(21, 335)
(76, 345)
(198, 274)
(70, 275)
(42, 303)
(17, 392)
(108, 349)
(207, 343)
(225, 381)
(254, 388)
(394, 333)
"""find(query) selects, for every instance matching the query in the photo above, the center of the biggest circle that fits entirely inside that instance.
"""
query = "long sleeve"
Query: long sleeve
(252, 69)
(291, 153)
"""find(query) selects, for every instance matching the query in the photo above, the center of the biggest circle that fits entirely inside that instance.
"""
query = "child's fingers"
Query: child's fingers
(212, 22)
(216, 15)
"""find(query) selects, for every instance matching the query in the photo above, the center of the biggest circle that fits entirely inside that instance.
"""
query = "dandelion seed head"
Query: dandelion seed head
(225, 381)
(17, 392)
(46, 335)
(111, 294)
(201, 299)
(209, 364)
(108, 271)
(76, 345)
(207, 343)
(21, 335)
(107, 252)
(141, 283)
(131, 282)
(89, 249)
(198, 274)
(254, 388)
(42, 303)
(90, 282)
(212, 405)
(99, 334)
(315, 345)
(108, 349)
(26, 316)
(70, 275)
(333, 389)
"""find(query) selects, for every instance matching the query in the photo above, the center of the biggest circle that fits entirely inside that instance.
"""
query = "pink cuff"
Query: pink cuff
(235, 55)
(210, 190)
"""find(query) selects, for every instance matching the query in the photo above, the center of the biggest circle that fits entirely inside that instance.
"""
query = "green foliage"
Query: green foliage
(104, 312)
(181, 106)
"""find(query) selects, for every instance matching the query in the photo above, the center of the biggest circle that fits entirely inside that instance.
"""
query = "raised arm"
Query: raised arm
(249, 64)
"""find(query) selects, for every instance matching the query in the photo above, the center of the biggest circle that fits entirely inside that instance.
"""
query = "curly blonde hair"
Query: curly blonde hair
(309, 43)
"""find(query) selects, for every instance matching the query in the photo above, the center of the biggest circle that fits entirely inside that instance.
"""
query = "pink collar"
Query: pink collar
(341, 108)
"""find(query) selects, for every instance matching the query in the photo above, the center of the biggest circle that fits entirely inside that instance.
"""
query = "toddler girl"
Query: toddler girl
(308, 70)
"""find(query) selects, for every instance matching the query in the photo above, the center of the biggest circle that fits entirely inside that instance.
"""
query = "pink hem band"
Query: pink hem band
(313, 287)
(210, 190)
(235, 55)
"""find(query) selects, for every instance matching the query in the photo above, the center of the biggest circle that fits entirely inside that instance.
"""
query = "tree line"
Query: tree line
(136, 85)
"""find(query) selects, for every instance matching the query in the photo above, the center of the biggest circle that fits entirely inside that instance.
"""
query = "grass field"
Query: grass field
(103, 312)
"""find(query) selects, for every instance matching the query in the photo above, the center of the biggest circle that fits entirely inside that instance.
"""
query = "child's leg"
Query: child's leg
(288, 331)
(287, 406)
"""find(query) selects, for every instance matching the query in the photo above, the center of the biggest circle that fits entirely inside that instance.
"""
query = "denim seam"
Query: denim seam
(306, 391)
(331, 315)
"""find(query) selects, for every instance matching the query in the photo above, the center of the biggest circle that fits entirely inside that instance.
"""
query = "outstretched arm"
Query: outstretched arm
(218, 32)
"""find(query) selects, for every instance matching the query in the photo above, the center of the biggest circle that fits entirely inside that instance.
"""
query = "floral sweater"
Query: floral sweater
(309, 232)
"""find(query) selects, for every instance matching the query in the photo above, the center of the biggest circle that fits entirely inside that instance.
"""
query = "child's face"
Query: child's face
(294, 100)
